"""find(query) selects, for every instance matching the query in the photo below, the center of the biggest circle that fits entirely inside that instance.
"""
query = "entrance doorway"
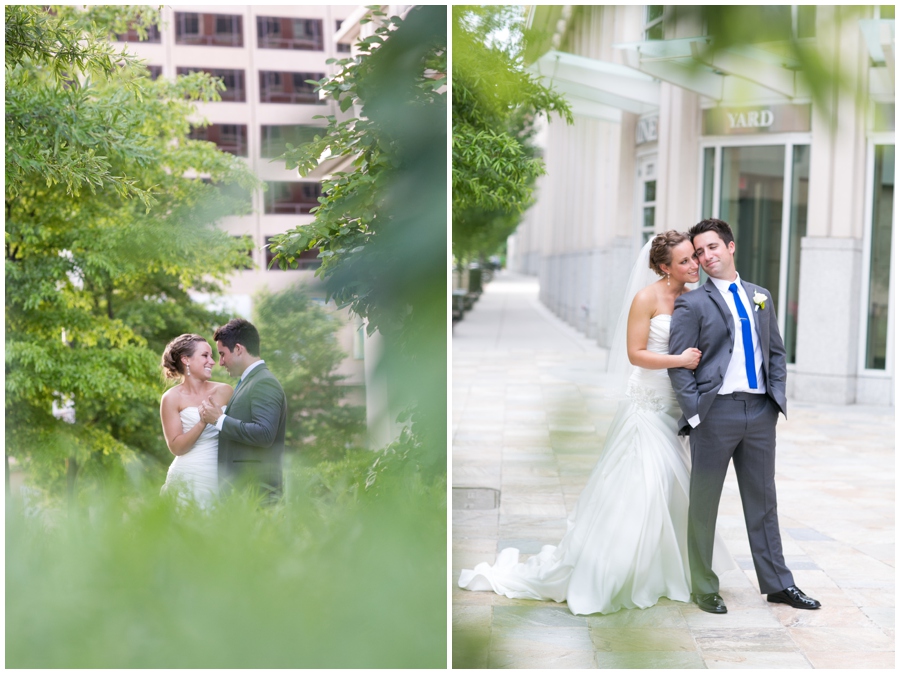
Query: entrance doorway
(761, 191)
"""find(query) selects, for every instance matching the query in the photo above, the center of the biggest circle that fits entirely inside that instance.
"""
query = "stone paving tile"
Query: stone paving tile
(530, 416)
(812, 639)
(642, 639)
(851, 660)
(743, 639)
(755, 660)
(661, 615)
(650, 660)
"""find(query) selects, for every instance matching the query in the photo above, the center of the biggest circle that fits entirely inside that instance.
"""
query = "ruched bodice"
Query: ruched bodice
(196, 472)
(652, 389)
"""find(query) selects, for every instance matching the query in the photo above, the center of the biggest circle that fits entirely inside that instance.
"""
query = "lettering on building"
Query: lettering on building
(647, 130)
(753, 118)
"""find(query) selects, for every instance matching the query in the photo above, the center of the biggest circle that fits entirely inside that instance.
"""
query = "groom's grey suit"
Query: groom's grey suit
(734, 425)
(251, 442)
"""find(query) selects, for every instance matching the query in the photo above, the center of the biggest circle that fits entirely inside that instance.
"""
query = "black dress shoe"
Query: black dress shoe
(793, 596)
(711, 603)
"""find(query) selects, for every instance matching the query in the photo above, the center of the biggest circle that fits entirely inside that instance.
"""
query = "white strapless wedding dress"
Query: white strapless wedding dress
(195, 474)
(626, 541)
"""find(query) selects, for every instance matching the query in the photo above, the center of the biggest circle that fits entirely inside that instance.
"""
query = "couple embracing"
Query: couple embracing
(222, 436)
(707, 366)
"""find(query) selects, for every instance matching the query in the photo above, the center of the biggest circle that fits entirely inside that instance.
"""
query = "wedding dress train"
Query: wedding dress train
(195, 474)
(626, 541)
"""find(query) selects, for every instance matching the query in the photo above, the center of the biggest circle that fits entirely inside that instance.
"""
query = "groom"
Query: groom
(251, 431)
(730, 405)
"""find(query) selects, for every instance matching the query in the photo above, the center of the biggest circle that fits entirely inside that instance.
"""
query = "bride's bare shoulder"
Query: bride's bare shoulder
(645, 299)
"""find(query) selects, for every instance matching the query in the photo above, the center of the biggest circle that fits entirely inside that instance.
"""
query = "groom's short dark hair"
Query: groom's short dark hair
(720, 227)
(239, 331)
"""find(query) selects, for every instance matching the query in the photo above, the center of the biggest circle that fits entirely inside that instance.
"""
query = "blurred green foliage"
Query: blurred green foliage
(333, 576)
(381, 228)
(104, 237)
(301, 350)
(495, 105)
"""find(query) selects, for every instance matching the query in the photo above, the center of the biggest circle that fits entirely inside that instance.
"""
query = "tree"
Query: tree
(301, 350)
(495, 104)
(104, 236)
(381, 228)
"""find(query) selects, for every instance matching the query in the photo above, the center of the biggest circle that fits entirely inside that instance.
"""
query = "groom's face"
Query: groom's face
(714, 255)
(229, 359)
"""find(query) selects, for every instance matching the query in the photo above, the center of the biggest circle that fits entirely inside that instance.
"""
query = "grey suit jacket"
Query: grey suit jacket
(702, 319)
(251, 442)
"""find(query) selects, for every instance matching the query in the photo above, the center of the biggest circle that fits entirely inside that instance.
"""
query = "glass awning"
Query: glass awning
(879, 36)
(598, 88)
(687, 63)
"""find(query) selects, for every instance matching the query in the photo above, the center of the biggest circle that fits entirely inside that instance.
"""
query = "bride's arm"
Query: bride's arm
(177, 440)
(639, 316)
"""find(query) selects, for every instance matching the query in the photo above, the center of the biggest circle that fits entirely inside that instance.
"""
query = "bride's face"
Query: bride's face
(201, 361)
(684, 267)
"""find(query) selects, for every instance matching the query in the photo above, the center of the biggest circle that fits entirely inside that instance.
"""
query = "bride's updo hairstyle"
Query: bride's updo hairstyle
(661, 248)
(183, 345)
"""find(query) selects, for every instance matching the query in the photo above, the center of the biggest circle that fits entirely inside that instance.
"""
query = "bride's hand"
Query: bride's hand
(690, 358)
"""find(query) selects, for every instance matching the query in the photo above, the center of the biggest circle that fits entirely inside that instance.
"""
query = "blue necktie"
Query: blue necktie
(746, 335)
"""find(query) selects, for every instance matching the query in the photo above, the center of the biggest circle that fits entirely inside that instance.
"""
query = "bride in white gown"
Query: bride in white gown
(193, 475)
(626, 541)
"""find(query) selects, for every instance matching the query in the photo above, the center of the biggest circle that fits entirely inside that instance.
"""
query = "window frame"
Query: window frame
(876, 138)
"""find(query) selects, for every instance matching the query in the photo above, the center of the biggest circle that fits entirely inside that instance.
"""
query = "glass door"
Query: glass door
(761, 191)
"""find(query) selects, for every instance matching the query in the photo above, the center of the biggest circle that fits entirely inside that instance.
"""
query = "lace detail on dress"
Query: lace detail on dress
(645, 398)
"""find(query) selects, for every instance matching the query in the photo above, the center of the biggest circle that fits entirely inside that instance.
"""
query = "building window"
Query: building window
(768, 23)
(227, 137)
(291, 197)
(879, 281)
(235, 90)
(155, 72)
(131, 35)
(219, 30)
(653, 26)
(283, 33)
(342, 47)
(308, 259)
(276, 137)
(281, 87)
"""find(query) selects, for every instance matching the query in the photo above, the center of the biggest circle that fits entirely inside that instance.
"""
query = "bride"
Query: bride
(193, 474)
(626, 541)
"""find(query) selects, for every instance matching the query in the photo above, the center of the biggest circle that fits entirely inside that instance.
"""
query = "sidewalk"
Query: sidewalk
(529, 417)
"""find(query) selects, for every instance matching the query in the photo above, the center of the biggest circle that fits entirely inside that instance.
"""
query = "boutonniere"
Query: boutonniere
(760, 300)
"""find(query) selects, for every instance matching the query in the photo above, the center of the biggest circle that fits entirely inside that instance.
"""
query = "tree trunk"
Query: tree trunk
(71, 473)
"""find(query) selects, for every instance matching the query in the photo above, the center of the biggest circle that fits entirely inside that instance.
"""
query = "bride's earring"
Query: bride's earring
(188, 370)
(667, 279)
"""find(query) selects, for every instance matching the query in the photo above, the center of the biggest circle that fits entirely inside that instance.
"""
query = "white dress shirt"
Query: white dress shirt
(735, 379)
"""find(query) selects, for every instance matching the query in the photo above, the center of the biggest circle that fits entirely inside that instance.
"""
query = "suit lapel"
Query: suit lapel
(724, 311)
(760, 318)
(242, 387)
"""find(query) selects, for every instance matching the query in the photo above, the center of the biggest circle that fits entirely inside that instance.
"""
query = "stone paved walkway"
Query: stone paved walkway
(530, 415)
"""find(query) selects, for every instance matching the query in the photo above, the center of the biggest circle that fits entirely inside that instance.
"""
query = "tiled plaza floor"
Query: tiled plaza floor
(530, 415)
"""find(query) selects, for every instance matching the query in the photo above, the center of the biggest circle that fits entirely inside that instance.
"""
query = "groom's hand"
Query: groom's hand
(209, 413)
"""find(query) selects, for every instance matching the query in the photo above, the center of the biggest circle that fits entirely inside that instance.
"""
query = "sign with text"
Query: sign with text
(647, 130)
(756, 119)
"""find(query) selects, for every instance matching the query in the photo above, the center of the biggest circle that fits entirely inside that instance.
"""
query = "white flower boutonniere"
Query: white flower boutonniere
(760, 300)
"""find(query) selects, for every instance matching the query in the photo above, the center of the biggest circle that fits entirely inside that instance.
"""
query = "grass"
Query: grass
(331, 577)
